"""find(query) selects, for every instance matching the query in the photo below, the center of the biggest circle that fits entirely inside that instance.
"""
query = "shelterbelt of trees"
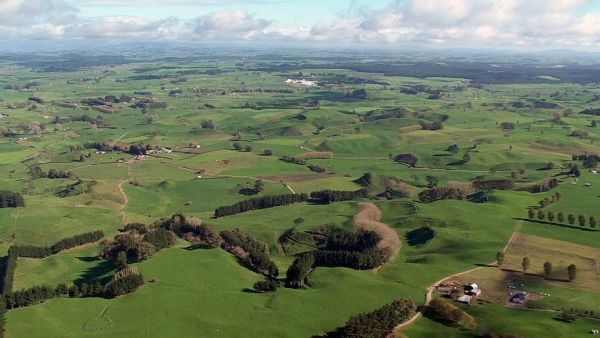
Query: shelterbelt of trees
(9, 199)
(341, 248)
(264, 202)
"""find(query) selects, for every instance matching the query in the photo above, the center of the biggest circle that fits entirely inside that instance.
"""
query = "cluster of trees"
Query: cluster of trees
(435, 125)
(560, 218)
(260, 203)
(316, 168)
(98, 146)
(240, 147)
(409, 159)
(341, 248)
(208, 124)
(291, 159)
(125, 281)
(64, 244)
(331, 196)
(251, 252)
(139, 149)
(98, 120)
(378, 323)
(358, 260)
(10, 199)
(500, 184)
(445, 311)
(359, 94)
(191, 229)
(149, 103)
(443, 193)
(37, 172)
(340, 239)
(589, 160)
(546, 185)
(137, 246)
(508, 126)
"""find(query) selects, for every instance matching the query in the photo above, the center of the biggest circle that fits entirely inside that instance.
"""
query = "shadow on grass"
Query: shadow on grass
(251, 290)
(201, 246)
(247, 192)
(419, 236)
(100, 272)
(556, 224)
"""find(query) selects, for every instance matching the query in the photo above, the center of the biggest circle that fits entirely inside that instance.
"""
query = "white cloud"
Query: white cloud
(449, 22)
(229, 24)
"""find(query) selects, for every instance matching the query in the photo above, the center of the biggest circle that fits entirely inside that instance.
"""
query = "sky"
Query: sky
(533, 24)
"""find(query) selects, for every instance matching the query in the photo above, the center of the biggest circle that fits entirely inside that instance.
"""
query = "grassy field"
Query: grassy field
(191, 293)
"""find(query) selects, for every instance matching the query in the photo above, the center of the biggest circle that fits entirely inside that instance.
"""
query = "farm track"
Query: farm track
(125, 199)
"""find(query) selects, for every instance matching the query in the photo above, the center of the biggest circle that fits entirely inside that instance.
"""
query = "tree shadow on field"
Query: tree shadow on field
(97, 273)
(250, 290)
(419, 236)
(200, 246)
(247, 192)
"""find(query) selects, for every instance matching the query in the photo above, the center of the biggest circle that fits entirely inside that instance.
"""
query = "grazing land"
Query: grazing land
(235, 203)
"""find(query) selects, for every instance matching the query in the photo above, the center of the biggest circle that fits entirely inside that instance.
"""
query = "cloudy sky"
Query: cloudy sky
(452, 23)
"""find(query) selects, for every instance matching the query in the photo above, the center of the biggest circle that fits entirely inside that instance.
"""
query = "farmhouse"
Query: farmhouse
(465, 299)
(519, 298)
(472, 289)
(303, 82)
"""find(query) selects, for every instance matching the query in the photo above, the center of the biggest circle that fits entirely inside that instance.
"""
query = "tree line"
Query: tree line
(561, 218)
(31, 251)
(37, 172)
(251, 252)
(442, 193)
(548, 268)
(260, 203)
(10, 199)
(331, 196)
(124, 282)
(378, 323)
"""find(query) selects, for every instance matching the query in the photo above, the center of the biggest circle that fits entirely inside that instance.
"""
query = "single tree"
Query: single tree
(593, 222)
(561, 217)
(551, 216)
(547, 269)
(259, 186)
(541, 215)
(432, 181)
(525, 264)
(453, 149)
(531, 213)
(571, 219)
(500, 258)
(581, 220)
(572, 270)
